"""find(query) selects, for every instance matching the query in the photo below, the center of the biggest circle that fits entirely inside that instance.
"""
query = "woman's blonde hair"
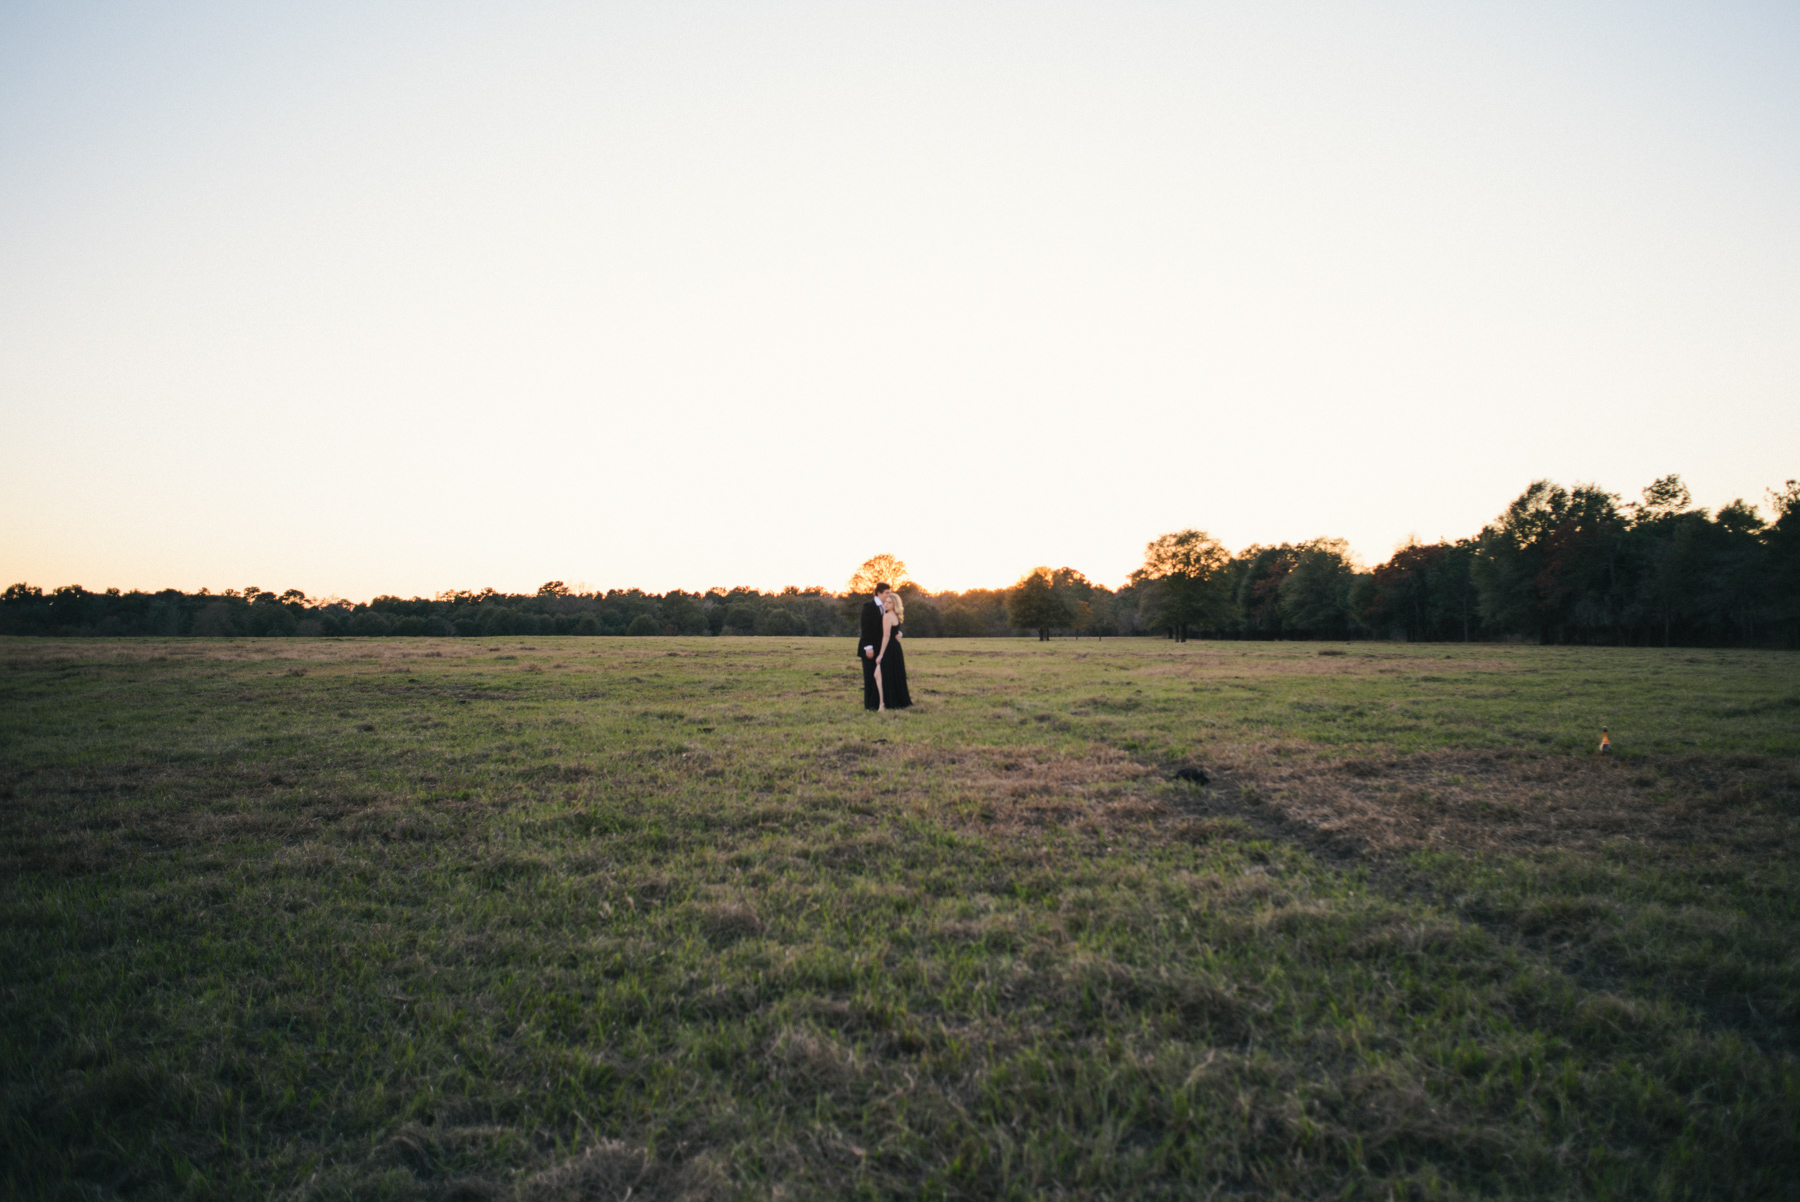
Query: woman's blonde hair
(896, 604)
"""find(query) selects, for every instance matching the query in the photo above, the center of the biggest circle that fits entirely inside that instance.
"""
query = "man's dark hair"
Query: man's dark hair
(881, 588)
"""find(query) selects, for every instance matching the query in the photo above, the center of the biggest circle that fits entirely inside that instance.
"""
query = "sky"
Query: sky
(364, 298)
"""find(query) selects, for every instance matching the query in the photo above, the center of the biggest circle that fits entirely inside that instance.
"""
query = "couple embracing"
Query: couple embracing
(883, 662)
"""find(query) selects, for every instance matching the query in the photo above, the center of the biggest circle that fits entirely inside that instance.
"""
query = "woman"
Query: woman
(890, 660)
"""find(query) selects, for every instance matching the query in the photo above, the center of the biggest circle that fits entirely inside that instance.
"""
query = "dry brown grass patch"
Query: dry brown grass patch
(1512, 802)
(730, 920)
(92, 821)
(612, 1170)
(1098, 768)
(814, 1059)
(607, 1169)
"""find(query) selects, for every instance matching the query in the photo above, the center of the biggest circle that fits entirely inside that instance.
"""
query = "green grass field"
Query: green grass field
(586, 918)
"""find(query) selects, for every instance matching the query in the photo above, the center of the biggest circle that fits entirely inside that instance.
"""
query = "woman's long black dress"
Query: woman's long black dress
(893, 674)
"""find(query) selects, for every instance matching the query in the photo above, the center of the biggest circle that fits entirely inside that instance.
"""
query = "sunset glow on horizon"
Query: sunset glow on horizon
(365, 299)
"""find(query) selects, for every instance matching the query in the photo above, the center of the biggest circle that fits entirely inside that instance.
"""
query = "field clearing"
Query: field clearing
(563, 918)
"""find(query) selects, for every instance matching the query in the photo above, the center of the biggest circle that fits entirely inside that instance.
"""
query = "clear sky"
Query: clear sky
(380, 297)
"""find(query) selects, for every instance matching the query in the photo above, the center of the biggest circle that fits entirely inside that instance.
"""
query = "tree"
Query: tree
(1096, 615)
(1669, 559)
(215, 621)
(1399, 592)
(923, 619)
(776, 621)
(1255, 589)
(1315, 596)
(877, 569)
(1677, 584)
(964, 618)
(1663, 497)
(1035, 603)
(1508, 560)
(1740, 566)
(740, 618)
(684, 612)
(1549, 565)
(1186, 574)
(1082, 598)
(268, 617)
(1782, 543)
(1454, 600)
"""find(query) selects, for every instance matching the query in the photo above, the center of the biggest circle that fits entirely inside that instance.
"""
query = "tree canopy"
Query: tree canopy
(878, 569)
(1183, 578)
(1036, 603)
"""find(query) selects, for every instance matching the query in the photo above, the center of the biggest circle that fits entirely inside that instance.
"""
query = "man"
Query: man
(867, 644)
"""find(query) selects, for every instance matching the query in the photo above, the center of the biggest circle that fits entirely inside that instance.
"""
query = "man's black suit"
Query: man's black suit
(871, 637)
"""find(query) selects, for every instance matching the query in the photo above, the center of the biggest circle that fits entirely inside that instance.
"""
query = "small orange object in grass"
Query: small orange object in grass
(1605, 742)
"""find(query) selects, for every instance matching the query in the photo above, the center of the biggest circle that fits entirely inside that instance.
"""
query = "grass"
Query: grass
(569, 918)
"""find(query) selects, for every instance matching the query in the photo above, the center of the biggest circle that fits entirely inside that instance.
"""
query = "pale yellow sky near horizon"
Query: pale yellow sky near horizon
(387, 298)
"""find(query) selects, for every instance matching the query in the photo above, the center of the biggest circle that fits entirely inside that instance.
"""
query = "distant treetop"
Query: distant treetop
(876, 569)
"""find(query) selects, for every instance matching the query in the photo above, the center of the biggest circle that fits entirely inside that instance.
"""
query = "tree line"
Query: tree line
(1558, 565)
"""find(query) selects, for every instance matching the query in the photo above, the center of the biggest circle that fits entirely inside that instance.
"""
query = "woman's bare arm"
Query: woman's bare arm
(887, 632)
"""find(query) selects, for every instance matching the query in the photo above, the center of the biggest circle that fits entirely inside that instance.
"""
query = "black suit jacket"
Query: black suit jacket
(871, 628)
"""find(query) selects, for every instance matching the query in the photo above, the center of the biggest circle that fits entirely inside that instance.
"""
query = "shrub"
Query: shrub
(644, 624)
